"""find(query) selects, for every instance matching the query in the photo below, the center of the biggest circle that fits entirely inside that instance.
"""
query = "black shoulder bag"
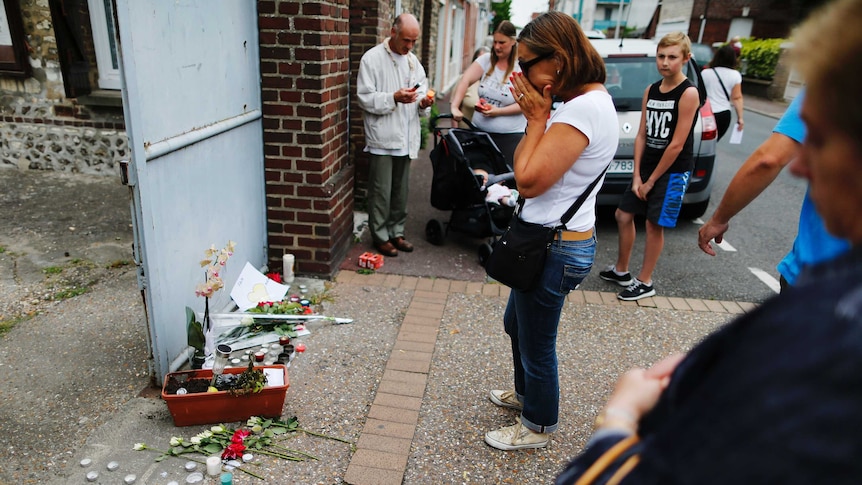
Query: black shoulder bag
(518, 257)
(721, 83)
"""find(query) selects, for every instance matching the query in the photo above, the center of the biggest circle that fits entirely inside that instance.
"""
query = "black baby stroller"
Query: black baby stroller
(454, 186)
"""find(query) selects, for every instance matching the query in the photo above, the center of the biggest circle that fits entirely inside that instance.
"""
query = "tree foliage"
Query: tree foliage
(502, 11)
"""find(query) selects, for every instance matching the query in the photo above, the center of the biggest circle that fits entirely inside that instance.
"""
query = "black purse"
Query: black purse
(518, 257)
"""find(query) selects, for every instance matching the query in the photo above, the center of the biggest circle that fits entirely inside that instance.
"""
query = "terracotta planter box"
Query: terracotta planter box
(221, 407)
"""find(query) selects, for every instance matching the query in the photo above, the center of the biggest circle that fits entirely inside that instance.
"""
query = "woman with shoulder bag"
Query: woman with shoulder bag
(723, 85)
(562, 155)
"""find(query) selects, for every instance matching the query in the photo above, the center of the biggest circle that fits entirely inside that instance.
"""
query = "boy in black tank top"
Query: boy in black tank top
(662, 166)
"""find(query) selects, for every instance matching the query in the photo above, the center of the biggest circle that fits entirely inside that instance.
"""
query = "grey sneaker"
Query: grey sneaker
(609, 275)
(516, 437)
(636, 291)
(506, 399)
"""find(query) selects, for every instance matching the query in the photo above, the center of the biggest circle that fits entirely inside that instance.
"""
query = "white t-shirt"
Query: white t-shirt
(730, 78)
(594, 115)
(495, 90)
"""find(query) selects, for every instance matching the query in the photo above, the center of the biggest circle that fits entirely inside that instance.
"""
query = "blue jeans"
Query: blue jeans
(531, 320)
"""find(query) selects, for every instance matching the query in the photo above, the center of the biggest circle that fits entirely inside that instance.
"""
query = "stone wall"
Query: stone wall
(41, 128)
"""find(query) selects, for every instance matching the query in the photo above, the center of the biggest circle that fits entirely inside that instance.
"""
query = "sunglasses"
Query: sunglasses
(526, 65)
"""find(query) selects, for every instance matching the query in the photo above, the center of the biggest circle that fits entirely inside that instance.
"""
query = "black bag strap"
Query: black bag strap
(575, 205)
(721, 83)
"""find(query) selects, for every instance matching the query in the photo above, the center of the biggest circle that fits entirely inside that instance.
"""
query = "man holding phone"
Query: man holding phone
(391, 88)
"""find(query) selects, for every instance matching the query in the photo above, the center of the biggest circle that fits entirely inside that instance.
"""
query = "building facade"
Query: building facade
(61, 102)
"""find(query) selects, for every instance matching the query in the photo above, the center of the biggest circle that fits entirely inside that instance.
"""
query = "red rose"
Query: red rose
(233, 451)
(274, 277)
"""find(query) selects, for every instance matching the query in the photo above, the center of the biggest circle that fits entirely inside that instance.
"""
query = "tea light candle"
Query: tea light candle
(213, 465)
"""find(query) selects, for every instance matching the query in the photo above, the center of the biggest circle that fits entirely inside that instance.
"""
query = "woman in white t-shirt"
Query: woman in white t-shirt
(496, 113)
(724, 88)
(558, 159)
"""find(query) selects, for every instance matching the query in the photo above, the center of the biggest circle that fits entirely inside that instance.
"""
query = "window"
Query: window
(105, 43)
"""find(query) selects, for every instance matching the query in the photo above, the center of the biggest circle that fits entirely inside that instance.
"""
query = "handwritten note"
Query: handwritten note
(253, 287)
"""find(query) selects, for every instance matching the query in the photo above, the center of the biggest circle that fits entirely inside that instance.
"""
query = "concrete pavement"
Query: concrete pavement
(406, 383)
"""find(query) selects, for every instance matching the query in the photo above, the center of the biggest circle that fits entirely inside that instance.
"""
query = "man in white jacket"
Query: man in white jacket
(392, 88)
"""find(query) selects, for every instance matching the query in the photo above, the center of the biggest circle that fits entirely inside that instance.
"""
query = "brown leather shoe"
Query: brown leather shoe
(386, 249)
(402, 244)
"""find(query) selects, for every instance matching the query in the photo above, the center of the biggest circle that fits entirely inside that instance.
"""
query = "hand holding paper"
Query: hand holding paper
(736, 135)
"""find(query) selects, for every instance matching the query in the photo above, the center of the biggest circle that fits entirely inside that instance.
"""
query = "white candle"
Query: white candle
(287, 268)
(213, 465)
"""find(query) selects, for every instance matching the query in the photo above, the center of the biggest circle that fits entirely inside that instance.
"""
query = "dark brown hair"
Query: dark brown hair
(558, 33)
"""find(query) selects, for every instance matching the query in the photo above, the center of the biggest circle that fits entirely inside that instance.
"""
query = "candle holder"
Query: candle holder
(222, 354)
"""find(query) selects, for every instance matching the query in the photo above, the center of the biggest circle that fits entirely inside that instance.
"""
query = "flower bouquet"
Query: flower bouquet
(200, 334)
(261, 436)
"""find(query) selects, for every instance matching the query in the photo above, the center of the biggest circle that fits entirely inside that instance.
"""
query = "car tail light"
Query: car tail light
(710, 128)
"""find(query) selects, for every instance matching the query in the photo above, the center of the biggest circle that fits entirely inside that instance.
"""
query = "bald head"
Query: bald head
(405, 34)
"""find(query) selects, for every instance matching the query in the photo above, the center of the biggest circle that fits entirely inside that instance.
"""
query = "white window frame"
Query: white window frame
(109, 76)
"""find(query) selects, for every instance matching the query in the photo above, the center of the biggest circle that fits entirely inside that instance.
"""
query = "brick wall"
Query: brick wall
(369, 25)
(305, 67)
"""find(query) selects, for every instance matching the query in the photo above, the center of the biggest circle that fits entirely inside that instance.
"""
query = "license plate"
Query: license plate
(622, 166)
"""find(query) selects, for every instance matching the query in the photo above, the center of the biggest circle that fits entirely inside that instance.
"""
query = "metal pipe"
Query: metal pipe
(168, 145)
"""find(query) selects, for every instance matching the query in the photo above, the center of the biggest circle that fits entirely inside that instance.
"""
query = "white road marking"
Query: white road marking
(765, 277)
(724, 245)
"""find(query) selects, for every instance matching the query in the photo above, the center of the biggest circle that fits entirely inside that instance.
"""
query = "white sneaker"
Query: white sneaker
(506, 399)
(516, 437)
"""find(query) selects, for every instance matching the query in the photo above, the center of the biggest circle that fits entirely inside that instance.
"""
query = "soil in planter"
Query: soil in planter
(227, 382)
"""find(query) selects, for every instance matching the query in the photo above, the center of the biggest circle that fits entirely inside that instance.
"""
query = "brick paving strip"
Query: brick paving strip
(383, 447)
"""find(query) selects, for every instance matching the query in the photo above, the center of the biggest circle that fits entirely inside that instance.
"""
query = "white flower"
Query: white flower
(218, 429)
(175, 441)
(257, 428)
(196, 440)
(253, 421)
(246, 320)
(140, 446)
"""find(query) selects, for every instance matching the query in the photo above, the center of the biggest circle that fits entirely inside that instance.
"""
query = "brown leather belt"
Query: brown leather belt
(573, 235)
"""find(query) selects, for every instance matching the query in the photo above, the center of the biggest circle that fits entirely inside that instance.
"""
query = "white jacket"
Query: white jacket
(389, 125)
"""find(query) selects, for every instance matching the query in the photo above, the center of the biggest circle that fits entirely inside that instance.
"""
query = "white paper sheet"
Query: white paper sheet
(253, 287)
(736, 135)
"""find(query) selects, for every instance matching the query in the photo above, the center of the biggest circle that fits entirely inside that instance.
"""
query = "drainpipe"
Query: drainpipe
(703, 23)
(580, 11)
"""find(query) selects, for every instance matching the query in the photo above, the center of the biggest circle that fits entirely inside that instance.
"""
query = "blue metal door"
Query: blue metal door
(191, 96)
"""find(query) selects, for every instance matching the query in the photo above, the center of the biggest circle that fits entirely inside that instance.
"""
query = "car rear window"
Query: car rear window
(628, 77)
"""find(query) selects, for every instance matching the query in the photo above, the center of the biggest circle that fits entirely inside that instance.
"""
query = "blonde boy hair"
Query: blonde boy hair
(676, 38)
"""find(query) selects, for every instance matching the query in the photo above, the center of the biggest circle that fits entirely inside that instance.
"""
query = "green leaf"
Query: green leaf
(213, 448)
(195, 331)
(278, 430)
(160, 458)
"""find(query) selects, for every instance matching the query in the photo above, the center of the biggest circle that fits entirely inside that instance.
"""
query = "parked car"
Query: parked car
(631, 68)
(702, 53)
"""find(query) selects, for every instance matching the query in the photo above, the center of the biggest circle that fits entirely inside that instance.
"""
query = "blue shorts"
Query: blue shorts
(663, 201)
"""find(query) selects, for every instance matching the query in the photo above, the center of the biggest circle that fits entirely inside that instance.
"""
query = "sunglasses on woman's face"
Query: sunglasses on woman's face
(526, 65)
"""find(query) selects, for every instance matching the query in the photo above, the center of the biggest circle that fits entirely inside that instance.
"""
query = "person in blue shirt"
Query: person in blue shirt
(813, 244)
(773, 396)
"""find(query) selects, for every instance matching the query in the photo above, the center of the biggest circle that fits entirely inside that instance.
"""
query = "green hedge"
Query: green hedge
(760, 56)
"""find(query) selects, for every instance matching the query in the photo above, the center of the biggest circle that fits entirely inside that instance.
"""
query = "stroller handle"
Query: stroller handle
(493, 179)
(450, 117)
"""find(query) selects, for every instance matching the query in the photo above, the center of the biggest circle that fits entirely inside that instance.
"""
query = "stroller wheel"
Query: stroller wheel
(434, 232)
(485, 251)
